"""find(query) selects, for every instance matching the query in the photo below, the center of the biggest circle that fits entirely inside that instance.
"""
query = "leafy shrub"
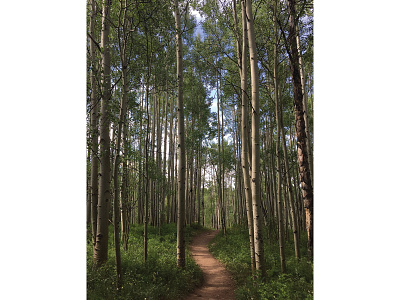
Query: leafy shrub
(234, 251)
(158, 278)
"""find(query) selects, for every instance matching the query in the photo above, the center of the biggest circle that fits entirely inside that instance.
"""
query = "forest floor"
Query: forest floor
(218, 283)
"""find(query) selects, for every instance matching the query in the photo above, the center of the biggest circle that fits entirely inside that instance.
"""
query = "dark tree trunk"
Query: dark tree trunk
(302, 156)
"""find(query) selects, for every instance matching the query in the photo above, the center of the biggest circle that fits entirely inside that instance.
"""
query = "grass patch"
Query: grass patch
(158, 278)
(234, 251)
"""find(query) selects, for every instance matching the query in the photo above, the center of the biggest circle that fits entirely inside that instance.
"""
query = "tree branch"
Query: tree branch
(96, 43)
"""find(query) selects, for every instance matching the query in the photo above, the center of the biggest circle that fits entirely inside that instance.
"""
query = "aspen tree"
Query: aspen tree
(181, 143)
(191, 178)
(291, 197)
(237, 167)
(175, 193)
(147, 187)
(278, 187)
(278, 160)
(121, 123)
(140, 187)
(125, 213)
(187, 181)
(219, 174)
(198, 185)
(255, 143)
(94, 184)
(164, 187)
(223, 206)
(158, 164)
(272, 172)
(152, 144)
(170, 165)
(101, 248)
(88, 192)
(244, 131)
(202, 195)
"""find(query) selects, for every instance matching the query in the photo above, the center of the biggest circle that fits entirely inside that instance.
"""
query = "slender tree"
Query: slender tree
(278, 159)
(242, 63)
(170, 164)
(219, 169)
(164, 187)
(124, 203)
(291, 196)
(147, 173)
(255, 146)
(94, 184)
(101, 248)
(180, 248)
(121, 122)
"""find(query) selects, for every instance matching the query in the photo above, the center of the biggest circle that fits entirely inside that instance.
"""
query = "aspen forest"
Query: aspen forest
(199, 117)
(173, 150)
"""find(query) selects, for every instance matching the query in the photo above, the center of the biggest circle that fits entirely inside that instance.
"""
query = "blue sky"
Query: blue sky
(198, 29)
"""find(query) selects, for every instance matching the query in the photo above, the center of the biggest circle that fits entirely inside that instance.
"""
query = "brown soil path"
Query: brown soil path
(217, 281)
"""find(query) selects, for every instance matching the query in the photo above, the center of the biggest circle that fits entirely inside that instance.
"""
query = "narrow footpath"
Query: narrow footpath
(217, 281)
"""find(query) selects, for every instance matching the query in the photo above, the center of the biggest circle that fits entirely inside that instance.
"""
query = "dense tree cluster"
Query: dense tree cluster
(200, 112)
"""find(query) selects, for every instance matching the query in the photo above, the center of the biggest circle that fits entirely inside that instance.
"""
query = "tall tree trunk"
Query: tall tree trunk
(191, 189)
(125, 192)
(170, 166)
(94, 179)
(238, 186)
(219, 174)
(159, 167)
(245, 138)
(175, 196)
(125, 203)
(147, 173)
(152, 194)
(164, 173)
(273, 172)
(198, 185)
(140, 188)
(304, 90)
(121, 124)
(297, 190)
(236, 168)
(181, 143)
(291, 197)
(255, 133)
(278, 160)
(302, 155)
(202, 196)
(116, 193)
(187, 206)
(101, 247)
(224, 207)
(88, 193)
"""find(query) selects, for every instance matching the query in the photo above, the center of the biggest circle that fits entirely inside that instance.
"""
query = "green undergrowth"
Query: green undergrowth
(158, 278)
(234, 251)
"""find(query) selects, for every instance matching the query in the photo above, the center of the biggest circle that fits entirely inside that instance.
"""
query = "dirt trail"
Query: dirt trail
(217, 281)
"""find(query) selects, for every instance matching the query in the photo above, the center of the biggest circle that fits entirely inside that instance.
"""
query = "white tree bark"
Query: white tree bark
(101, 247)
(255, 133)
(181, 144)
